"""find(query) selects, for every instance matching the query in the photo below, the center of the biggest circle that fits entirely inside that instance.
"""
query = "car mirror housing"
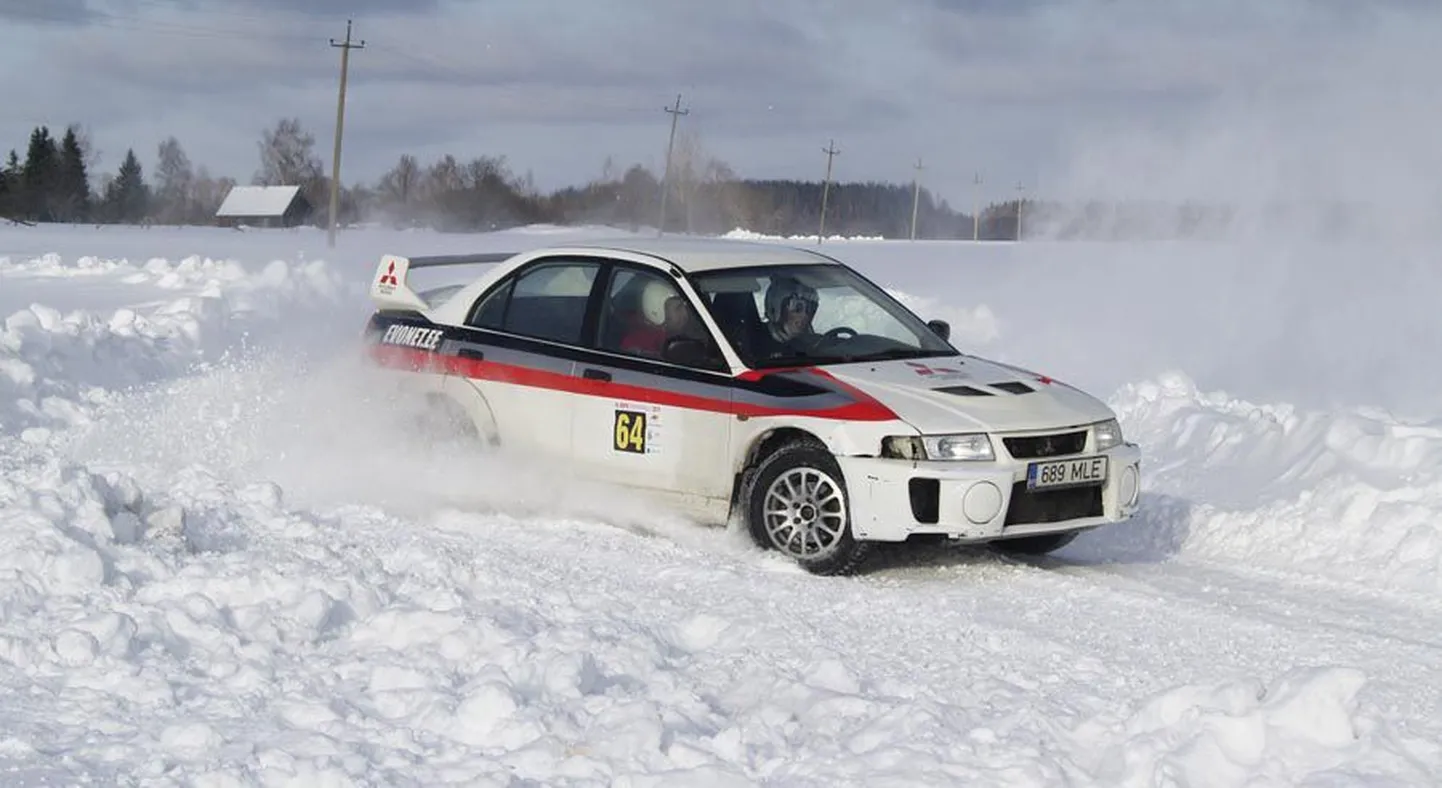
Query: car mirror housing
(941, 328)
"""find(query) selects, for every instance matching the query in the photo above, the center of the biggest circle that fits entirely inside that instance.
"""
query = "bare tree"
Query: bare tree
(89, 154)
(287, 156)
(399, 190)
(174, 184)
(207, 194)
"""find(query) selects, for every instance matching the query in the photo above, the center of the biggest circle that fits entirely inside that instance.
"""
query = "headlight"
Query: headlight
(969, 447)
(1108, 434)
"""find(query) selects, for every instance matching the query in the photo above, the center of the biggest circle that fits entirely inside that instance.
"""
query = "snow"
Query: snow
(221, 562)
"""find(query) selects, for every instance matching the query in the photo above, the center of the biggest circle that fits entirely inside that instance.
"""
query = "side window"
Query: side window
(547, 301)
(490, 311)
(645, 314)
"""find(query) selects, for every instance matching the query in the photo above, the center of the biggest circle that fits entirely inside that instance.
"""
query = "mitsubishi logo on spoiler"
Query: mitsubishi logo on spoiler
(388, 279)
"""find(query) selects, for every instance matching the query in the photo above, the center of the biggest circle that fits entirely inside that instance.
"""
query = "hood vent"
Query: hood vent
(1009, 386)
(964, 391)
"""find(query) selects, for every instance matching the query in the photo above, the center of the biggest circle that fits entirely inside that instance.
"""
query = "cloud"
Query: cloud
(1122, 96)
(50, 11)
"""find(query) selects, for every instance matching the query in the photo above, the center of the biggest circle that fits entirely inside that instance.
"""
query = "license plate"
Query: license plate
(1066, 473)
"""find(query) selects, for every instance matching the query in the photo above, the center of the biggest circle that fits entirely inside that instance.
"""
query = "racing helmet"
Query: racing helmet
(653, 301)
(782, 292)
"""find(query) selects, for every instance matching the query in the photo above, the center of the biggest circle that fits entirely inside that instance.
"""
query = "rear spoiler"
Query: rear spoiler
(390, 290)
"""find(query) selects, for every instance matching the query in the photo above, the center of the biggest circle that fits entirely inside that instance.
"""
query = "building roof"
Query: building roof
(708, 254)
(258, 201)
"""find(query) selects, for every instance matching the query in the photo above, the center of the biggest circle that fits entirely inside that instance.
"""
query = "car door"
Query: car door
(531, 326)
(646, 418)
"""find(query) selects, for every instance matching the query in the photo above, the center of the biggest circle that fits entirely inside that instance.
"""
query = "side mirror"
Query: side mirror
(941, 328)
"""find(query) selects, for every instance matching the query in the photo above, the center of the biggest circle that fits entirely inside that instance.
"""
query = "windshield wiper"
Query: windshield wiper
(893, 355)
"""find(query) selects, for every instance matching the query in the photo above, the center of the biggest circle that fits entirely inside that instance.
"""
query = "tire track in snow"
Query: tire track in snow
(1228, 620)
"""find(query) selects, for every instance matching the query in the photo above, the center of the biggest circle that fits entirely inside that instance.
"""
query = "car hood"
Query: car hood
(966, 393)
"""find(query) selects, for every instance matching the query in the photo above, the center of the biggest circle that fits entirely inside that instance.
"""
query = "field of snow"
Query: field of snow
(220, 564)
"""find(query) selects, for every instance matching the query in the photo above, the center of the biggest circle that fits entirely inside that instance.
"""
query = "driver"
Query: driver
(790, 308)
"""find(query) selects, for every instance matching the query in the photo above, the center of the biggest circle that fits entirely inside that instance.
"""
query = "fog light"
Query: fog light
(1129, 487)
(981, 503)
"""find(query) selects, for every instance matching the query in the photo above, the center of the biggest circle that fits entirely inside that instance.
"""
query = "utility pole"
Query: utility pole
(675, 114)
(830, 151)
(1020, 189)
(976, 208)
(345, 48)
(915, 196)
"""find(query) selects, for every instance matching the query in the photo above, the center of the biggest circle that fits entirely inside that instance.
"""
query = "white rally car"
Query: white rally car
(755, 383)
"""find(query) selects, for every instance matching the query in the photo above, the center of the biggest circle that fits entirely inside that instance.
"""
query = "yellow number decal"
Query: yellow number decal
(630, 432)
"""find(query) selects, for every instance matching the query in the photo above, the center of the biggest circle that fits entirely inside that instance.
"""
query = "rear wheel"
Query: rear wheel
(796, 503)
(444, 425)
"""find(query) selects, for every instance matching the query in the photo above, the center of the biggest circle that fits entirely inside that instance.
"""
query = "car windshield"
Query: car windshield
(803, 315)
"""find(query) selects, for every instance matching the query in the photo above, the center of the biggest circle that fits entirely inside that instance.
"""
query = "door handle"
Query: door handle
(471, 353)
(596, 374)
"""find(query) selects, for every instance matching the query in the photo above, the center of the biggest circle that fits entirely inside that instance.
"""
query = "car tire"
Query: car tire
(443, 424)
(1040, 544)
(796, 503)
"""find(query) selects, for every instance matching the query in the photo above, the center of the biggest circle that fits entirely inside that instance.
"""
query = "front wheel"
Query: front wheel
(797, 503)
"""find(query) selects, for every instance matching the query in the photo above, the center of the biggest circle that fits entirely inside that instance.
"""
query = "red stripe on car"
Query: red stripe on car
(865, 408)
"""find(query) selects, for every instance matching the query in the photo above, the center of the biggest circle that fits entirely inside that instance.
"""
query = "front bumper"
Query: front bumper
(980, 502)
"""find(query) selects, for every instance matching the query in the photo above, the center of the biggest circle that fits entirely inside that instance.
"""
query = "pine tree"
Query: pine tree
(127, 199)
(38, 176)
(9, 183)
(72, 184)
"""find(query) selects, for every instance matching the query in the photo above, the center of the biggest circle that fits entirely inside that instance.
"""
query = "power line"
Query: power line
(345, 48)
(675, 114)
(830, 151)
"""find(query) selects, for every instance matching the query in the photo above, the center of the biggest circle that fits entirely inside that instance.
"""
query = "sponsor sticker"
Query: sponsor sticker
(412, 336)
(939, 373)
(636, 428)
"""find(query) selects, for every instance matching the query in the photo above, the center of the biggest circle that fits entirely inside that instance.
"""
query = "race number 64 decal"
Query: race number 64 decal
(630, 431)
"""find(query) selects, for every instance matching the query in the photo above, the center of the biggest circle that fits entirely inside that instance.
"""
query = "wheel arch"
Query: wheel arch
(761, 446)
(461, 393)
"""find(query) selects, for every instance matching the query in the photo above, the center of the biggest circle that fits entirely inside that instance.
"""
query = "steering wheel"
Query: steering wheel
(836, 333)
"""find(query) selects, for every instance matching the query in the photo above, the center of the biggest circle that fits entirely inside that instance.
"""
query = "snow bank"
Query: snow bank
(1355, 495)
(54, 366)
(742, 234)
(1306, 727)
(972, 328)
(218, 564)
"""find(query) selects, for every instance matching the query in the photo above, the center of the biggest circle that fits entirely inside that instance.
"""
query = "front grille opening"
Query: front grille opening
(1053, 506)
(925, 500)
(1013, 386)
(964, 391)
(1031, 447)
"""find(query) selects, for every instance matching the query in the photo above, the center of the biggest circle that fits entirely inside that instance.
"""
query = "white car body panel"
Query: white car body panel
(913, 390)
(653, 446)
(538, 398)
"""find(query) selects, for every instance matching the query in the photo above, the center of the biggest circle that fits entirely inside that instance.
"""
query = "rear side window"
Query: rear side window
(490, 312)
(546, 301)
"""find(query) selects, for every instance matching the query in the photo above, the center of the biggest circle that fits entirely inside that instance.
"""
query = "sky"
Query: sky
(1134, 98)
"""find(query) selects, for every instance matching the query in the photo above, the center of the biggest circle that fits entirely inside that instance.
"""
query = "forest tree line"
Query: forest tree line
(56, 181)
